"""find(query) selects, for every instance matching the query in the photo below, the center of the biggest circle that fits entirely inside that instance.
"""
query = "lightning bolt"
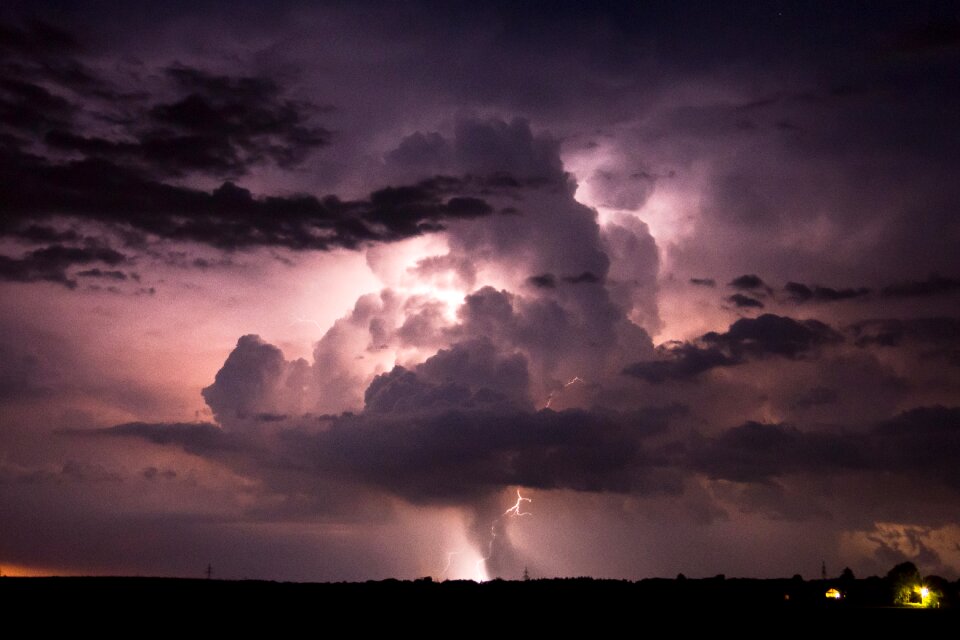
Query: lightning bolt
(481, 569)
(552, 393)
(446, 567)
(515, 509)
(513, 512)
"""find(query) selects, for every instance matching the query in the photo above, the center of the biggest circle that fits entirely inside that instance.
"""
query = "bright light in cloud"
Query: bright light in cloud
(449, 298)
(415, 268)
(608, 181)
(584, 163)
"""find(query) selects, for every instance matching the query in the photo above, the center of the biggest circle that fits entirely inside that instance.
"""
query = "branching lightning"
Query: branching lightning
(514, 512)
(515, 509)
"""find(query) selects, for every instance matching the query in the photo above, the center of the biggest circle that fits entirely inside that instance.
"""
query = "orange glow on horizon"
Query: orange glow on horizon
(8, 570)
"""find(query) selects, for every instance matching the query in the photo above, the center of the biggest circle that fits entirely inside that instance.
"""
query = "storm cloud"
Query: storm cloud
(318, 292)
(56, 163)
(912, 442)
(766, 336)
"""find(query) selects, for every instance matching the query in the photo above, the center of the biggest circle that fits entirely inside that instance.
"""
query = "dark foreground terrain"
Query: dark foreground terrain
(748, 606)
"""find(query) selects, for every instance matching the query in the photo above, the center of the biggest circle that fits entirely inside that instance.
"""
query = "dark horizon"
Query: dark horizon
(901, 588)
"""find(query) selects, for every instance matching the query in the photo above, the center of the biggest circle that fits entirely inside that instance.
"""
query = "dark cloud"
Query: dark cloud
(429, 442)
(584, 278)
(201, 438)
(56, 163)
(478, 365)
(153, 473)
(44, 53)
(932, 286)
(799, 292)
(467, 375)
(80, 471)
(772, 499)
(255, 380)
(37, 39)
(38, 66)
(246, 378)
(44, 234)
(549, 281)
(747, 282)
(703, 282)
(924, 440)
(772, 335)
(921, 441)
(458, 455)
(228, 217)
(893, 332)
(560, 338)
(683, 362)
(51, 264)
(754, 452)
(27, 108)
(410, 211)
(438, 442)
(212, 124)
(453, 429)
(497, 147)
(403, 391)
(100, 273)
(233, 122)
(748, 338)
(744, 302)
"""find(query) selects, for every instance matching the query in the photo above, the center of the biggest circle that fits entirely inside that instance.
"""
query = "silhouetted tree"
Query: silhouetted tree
(904, 580)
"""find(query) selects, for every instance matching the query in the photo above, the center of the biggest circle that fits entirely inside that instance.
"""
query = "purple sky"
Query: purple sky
(310, 291)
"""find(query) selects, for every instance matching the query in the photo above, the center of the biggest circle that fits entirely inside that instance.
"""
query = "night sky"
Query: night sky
(315, 291)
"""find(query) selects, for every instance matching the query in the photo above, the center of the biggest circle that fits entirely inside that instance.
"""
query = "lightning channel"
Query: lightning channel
(573, 380)
(516, 511)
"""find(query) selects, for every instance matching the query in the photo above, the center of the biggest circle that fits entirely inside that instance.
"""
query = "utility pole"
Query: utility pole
(209, 571)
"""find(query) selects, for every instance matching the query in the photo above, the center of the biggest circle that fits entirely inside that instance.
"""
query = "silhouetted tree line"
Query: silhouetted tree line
(903, 586)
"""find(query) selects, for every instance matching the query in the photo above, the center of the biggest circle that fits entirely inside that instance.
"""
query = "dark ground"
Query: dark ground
(751, 607)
